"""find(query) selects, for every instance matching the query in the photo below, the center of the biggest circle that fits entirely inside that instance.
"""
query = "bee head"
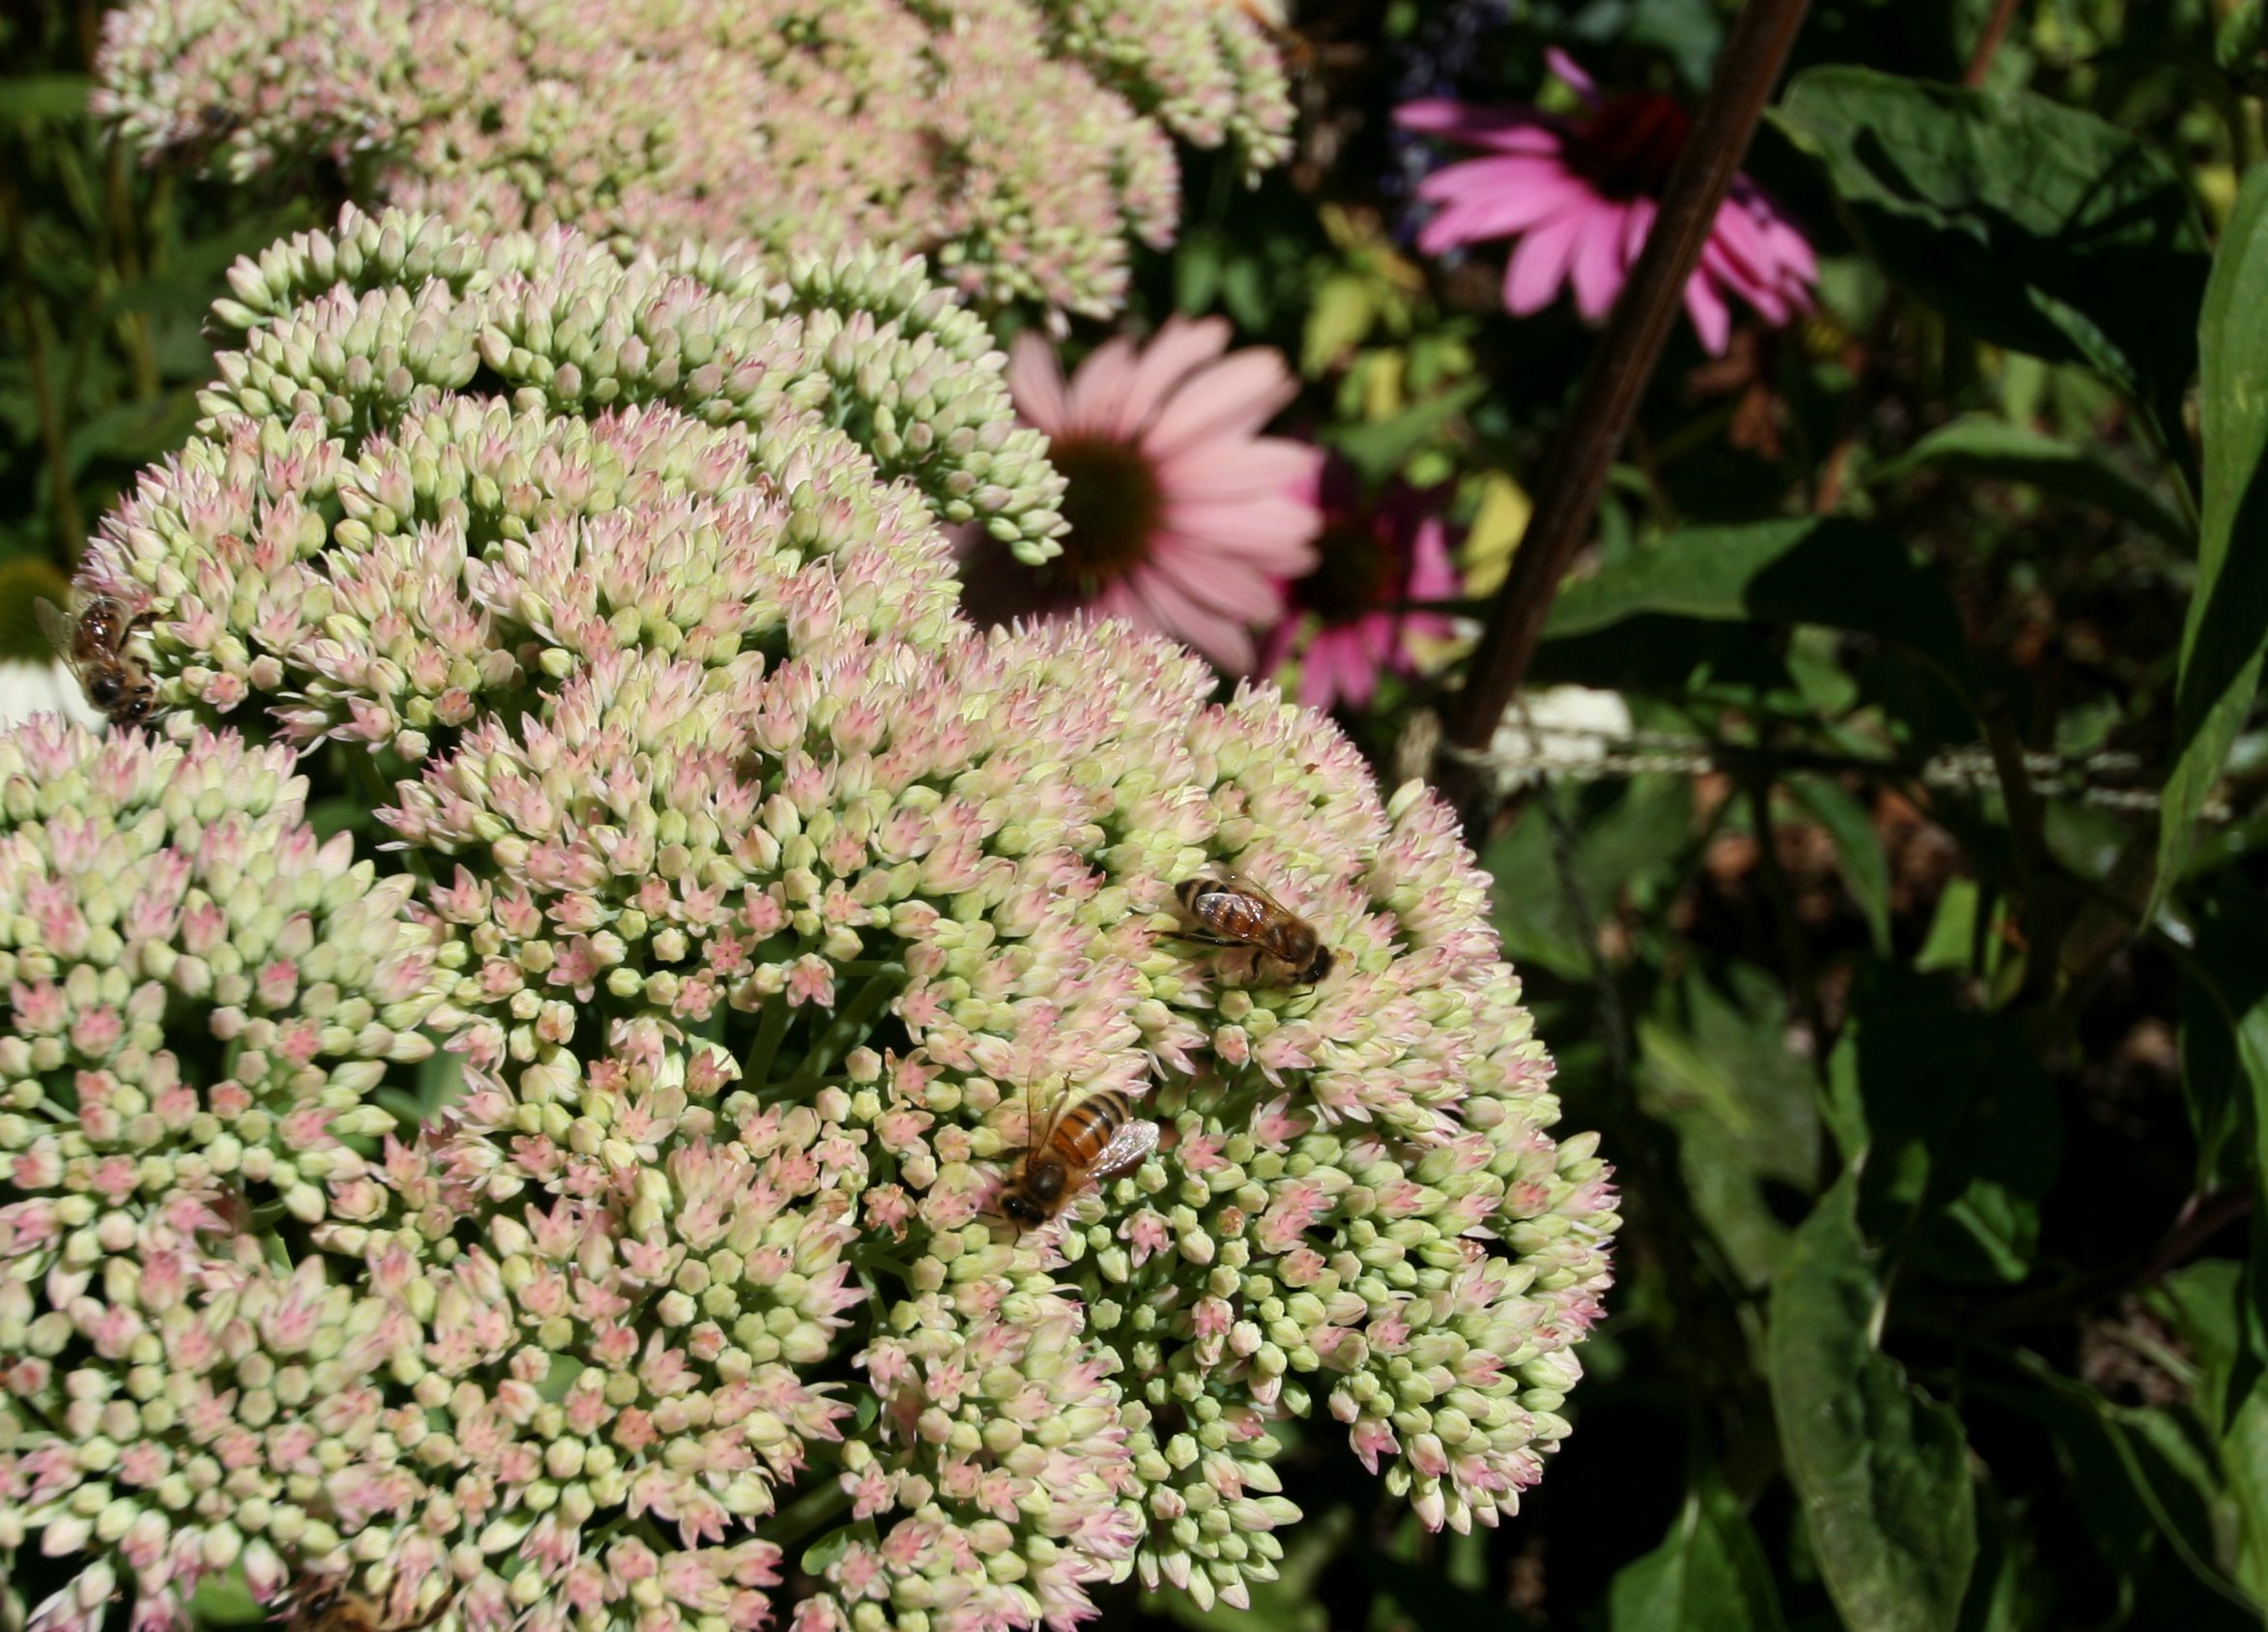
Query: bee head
(103, 691)
(1021, 1213)
(1317, 966)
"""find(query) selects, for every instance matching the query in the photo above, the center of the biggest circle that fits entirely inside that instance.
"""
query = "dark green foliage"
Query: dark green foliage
(1932, 1050)
(109, 268)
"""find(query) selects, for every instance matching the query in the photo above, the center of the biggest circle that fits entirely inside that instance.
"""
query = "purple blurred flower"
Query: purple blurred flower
(1581, 194)
(1351, 618)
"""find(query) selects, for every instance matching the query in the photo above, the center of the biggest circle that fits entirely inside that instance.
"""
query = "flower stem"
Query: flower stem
(850, 1026)
(1575, 475)
(1995, 29)
(756, 1069)
(805, 1514)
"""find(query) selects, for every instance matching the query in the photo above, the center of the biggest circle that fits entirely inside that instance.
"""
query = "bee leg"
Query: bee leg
(440, 1608)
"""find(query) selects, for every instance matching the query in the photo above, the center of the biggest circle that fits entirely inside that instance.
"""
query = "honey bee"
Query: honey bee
(1090, 1136)
(1235, 912)
(94, 645)
(327, 1604)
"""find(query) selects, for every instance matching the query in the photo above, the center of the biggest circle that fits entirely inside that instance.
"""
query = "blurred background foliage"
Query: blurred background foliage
(1932, 1050)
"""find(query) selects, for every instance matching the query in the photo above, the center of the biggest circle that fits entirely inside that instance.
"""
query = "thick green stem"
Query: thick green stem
(849, 1028)
(770, 1030)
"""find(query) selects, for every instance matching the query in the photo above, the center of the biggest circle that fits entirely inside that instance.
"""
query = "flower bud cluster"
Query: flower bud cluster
(768, 913)
(1024, 142)
(1209, 71)
(205, 1000)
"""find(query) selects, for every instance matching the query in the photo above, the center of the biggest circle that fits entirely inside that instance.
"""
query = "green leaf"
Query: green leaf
(1866, 868)
(2224, 1031)
(2000, 1598)
(2244, 1453)
(2113, 1515)
(560, 1378)
(1378, 450)
(1963, 1132)
(1690, 33)
(1882, 1469)
(2242, 37)
(2038, 226)
(1977, 445)
(1197, 272)
(1339, 319)
(1700, 572)
(1717, 1067)
(196, 275)
(2205, 1300)
(43, 98)
(1834, 571)
(2228, 626)
(133, 430)
(2171, 1463)
(1708, 1575)
(226, 1600)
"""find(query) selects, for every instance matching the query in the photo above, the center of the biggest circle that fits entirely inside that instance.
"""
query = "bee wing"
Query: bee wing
(57, 625)
(1135, 1141)
(1245, 881)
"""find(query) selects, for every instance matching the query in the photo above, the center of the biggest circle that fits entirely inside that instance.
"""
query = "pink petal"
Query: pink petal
(1732, 276)
(1280, 641)
(1537, 267)
(1564, 67)
(1095, 401)
(1740, 244)
(1035, 380)
(1358, 669)
(1712, 320)
(1178, 347)
(1596, 270)
(1315, 673)
(1509, 129)
(1635, 224)
(1170, 609)
(1440, 116)
(1239, 468)
(1431, 577)
(1274, 534)
(1495, 198)
(1235, 586)
(1232, 397)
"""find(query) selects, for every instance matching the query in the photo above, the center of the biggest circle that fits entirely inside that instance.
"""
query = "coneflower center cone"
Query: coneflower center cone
(1358, 570)
(1113, 502)
(1627, 146)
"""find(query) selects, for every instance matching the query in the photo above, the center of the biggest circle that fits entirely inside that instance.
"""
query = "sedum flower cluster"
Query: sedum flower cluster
(758, 905)
(1020, 142)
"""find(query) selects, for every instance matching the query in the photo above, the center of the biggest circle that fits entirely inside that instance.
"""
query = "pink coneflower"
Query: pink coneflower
(1351, 619)
(1183, 520)
(1580, 195)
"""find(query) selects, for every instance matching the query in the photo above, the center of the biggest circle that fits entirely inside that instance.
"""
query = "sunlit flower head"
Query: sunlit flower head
(1024, 146)
(581, 1209)
(1182, 517)
(1379, 559)
(1580, 195)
